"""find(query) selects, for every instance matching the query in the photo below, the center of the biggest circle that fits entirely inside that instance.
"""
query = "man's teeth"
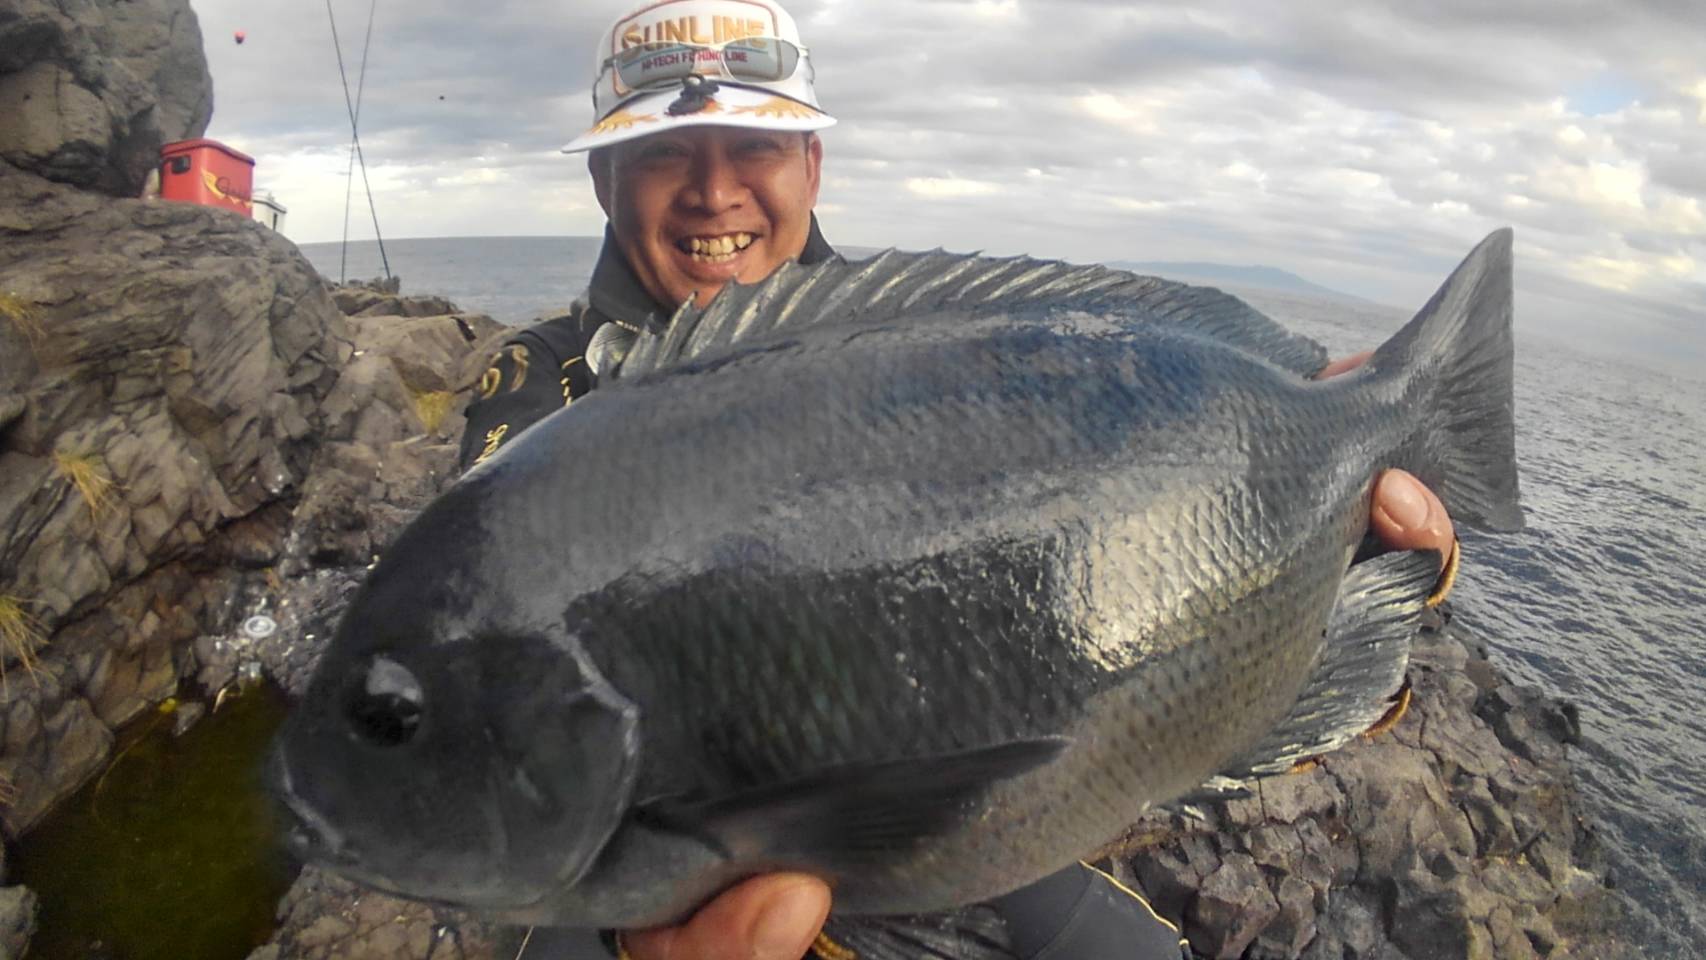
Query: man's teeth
(718, 249)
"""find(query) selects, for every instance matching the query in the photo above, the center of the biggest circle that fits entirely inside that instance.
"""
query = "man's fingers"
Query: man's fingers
(773, 917)
(1407, 515)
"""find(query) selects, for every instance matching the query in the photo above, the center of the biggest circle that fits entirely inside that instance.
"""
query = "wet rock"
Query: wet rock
(1529, 722)
(90, 91)
(17, 921)
(323, 917)
(186, 716)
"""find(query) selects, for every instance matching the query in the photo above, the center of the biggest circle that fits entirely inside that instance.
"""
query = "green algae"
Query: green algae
(170, 853)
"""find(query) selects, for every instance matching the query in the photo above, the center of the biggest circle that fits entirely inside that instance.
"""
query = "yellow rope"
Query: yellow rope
(1447, 577)
(828, 949)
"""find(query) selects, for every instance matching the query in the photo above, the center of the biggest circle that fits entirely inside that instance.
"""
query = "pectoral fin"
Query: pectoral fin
(845, 816)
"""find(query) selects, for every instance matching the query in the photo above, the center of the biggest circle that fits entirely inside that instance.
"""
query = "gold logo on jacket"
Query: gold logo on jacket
(518, 356)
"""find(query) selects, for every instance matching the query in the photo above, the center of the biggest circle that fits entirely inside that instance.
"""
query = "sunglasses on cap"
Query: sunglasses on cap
(748, 59)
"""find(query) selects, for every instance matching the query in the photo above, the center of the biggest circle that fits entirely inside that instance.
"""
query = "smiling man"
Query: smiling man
(705, 158)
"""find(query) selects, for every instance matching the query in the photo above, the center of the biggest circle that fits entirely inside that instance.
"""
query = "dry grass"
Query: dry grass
(432, 407)
(22, 315)
(21, 635)
(87, 473)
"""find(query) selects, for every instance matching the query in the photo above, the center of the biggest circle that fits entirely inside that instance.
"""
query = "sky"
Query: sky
(1366, 145)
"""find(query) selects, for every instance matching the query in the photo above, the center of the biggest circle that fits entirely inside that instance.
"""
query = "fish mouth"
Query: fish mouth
(308, 835)
(312, 839)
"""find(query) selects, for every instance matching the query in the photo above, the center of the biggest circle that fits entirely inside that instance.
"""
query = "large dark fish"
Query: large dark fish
(927, 574)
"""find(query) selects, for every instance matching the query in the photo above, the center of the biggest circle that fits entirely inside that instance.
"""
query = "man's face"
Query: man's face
(695, 208)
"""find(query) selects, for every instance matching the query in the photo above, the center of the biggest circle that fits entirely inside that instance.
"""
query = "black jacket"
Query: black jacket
(1077, 914)
(546, 367)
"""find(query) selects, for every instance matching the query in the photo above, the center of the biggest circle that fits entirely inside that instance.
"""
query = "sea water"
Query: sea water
(1601, 601)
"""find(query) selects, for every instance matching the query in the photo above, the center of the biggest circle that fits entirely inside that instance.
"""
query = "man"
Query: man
(705, 159)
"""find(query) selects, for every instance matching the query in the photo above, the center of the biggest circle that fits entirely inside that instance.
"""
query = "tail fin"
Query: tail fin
(1463, 338)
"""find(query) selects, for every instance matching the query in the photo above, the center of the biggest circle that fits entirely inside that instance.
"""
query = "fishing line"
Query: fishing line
(349, 169)
(353, 109)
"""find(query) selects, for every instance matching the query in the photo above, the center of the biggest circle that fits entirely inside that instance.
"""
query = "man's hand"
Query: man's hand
(1406, 515)
(773, 917)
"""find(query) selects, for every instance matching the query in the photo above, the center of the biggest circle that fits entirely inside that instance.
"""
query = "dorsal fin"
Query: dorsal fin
(893, 284)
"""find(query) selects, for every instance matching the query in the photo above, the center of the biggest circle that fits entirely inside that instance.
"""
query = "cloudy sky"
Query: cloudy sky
(1364, 144)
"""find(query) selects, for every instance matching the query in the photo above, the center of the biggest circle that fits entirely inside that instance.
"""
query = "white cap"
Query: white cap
(776, 93)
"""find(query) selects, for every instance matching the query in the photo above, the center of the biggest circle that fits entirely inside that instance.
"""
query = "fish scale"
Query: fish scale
(926, 574)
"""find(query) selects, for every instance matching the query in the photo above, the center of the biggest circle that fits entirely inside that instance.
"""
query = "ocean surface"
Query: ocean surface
(1601, 601)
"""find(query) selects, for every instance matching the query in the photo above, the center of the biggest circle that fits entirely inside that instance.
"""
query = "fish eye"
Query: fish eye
(385, 706)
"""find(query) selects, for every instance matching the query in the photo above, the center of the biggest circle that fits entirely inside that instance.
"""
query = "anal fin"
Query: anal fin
(1369, 636)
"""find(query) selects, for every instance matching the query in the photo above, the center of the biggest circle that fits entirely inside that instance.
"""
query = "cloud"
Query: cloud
(951, 187)
(1366, 146)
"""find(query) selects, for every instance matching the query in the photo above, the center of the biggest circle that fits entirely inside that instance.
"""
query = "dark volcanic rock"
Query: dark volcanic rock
(90, 90)
(1232, 906)
(1456, 835)
(193, 433)
(171, 361)
(17, 921)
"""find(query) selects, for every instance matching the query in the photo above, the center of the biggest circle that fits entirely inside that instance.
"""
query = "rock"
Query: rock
(179, 395)
(1355, 920)
(1233, 905)
(1293, 927)
(365, 301)
(1529, 722)
(1292, 798)
(17, 921)
(1443, 917)
(1168, 882)
(324, 917)
(186, 716)
(1456, 835)
(90, 91)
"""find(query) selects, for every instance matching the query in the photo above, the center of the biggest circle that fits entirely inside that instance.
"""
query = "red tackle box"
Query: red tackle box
(209, 173)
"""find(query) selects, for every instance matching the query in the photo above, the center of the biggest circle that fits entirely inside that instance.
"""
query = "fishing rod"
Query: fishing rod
(353, 107)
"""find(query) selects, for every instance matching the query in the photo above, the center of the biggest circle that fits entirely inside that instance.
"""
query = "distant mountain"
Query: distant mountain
(1215, 274)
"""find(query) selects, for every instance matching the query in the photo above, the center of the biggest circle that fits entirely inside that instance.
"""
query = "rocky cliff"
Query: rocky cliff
(89, 90)
(166, 366)
(191, 429)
